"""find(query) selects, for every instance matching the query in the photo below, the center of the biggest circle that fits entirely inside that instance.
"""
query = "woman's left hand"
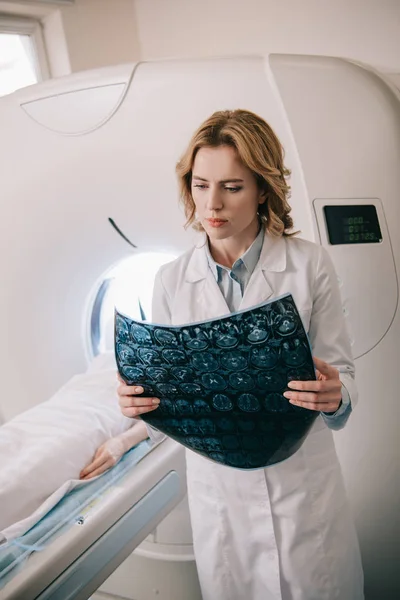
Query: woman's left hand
(324, 395)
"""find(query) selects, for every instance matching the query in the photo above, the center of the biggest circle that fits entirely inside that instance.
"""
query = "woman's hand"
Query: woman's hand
(324, 395)
(106, 457)
(132, 406)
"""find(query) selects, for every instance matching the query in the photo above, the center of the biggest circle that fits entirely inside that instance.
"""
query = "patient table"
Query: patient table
(103, 531)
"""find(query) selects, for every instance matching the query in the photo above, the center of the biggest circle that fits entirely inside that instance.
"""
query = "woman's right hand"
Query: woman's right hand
(132, 405)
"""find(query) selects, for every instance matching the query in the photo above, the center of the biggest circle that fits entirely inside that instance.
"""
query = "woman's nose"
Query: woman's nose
(214, 199)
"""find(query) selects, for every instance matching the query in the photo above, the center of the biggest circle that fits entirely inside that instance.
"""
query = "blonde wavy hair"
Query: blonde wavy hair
(259, 149)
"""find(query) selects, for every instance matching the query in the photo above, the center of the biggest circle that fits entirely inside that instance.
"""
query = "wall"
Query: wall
(100, 33)
(96, 33)
(364, 30)
(395, 79)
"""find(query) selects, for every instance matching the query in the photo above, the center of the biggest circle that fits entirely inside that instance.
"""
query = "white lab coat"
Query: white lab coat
(284, 532)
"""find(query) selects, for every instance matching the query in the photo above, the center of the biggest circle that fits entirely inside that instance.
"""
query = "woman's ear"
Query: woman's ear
(262, 197)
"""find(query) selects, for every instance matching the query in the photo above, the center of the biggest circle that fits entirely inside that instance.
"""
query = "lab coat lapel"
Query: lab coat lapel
(208, 302)
(211, 303)
(272, 260)
(258, 289)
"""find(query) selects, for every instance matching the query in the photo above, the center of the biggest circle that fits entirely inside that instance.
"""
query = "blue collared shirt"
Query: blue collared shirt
(232, 283)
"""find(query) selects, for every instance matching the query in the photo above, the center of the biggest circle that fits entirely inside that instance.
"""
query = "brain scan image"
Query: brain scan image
(221, 382)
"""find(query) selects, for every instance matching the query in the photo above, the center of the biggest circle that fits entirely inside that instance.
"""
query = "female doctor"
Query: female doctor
(284, 532)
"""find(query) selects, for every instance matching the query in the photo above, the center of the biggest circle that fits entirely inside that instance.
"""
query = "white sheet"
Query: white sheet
(43, 449)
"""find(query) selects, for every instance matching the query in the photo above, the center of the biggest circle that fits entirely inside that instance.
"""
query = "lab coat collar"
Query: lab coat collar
(249, 259)
(272, 258)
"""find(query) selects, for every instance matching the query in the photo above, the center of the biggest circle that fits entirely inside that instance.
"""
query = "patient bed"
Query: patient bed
(61, 537)
(84, 538)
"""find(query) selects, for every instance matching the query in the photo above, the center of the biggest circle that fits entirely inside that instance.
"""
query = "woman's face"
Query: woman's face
(225, 193)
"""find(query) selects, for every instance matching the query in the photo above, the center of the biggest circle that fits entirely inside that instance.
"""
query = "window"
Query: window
(22, 54)
(129, 287)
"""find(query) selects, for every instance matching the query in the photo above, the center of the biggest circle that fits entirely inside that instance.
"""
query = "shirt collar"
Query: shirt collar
(249, 259)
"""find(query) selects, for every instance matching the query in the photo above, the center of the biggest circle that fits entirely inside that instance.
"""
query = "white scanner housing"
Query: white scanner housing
(76, 151)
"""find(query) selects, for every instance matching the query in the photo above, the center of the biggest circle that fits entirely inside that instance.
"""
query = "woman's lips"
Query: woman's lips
(216, 222)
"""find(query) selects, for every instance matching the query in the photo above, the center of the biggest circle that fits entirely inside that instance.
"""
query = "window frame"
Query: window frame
(33, 28)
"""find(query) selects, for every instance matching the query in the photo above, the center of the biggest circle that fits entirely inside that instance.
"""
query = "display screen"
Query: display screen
(355, 224)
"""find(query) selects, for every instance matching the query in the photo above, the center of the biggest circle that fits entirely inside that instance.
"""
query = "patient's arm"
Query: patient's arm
(109, 453)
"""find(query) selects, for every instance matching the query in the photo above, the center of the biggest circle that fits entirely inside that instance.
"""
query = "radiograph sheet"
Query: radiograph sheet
(220, 382)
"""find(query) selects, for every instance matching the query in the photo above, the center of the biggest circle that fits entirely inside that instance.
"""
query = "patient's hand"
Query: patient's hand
(106, 457)
(113, 449)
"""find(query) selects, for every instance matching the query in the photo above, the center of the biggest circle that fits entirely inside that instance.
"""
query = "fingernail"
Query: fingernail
(138, 390)
(287, 395)
(156, 401)
(291, 384)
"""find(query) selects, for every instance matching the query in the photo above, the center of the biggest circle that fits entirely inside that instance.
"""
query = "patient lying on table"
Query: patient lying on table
(57, 445)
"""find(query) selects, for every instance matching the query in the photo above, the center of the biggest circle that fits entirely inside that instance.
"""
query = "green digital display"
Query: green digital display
(352, 224)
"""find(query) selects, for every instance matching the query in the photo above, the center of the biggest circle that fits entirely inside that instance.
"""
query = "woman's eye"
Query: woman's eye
(233, 189)
(200, 186)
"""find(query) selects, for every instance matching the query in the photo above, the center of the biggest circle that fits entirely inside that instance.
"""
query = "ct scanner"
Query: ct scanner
(80, 150)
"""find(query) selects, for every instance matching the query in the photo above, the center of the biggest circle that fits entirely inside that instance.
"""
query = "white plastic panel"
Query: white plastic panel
(346, 123)
(77, 103)
(76, 112)
(367, 278)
